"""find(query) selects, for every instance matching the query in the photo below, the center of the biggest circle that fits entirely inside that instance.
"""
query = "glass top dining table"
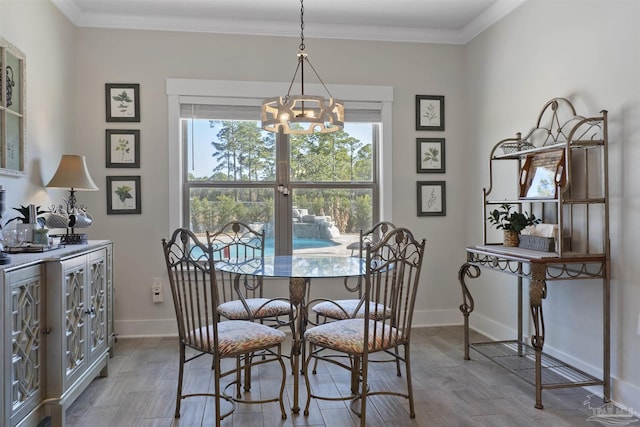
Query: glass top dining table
(292, 266)
(299, 269)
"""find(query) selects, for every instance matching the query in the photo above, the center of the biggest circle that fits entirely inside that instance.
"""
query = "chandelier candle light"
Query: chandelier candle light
(310, 113)
(72, 173)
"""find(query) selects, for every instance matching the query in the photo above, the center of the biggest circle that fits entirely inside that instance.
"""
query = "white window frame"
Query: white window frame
(189, 90)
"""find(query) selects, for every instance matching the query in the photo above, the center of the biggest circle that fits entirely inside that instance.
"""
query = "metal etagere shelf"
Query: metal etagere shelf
(577, 205)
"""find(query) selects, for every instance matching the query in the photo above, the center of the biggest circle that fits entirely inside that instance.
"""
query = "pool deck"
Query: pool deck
(343, 248)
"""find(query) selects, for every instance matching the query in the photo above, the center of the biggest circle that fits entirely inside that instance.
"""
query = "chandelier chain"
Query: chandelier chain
(301, 24)
(302, 114)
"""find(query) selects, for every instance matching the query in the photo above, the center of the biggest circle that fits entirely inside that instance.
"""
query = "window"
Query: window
(12, 110)
(309, 193)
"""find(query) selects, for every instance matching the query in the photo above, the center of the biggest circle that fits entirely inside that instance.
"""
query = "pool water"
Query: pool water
(298, 243)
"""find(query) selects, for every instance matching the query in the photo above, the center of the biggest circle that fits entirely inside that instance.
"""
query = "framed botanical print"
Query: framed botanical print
(123, 102)
(429, 112)
(123, 195)
(430, 155)
(432, 198)
(122, 148)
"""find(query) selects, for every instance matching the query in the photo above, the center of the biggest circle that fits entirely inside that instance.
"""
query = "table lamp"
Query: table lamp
(72, 173)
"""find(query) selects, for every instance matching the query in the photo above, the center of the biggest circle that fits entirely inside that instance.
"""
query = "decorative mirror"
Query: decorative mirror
(12, 110)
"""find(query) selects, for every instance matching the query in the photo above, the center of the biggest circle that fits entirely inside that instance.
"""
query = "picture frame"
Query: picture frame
(430, 112)
(123, 195)
(542, 174)
(432, 198)
(430, 155)
(122, 148)
(122, 102)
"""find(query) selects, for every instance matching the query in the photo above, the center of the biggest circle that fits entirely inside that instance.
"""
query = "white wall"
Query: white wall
(587, 51)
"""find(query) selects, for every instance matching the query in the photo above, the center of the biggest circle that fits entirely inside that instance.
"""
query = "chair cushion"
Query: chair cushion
(332, 310)
(260, 308)
(347, 336)
(237, 337)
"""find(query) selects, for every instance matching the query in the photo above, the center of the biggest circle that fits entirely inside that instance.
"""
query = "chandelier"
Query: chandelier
(302, 114)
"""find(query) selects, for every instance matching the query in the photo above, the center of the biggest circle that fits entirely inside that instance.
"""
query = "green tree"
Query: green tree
(362, 213)
(243, 152)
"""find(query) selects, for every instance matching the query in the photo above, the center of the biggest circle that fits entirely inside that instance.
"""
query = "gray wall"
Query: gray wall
(587, 51)
(47, 39)
(149, 58)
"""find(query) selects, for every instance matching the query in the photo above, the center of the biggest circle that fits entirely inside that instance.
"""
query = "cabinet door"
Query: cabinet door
(74, 293)
(97, 304)
(24, 320)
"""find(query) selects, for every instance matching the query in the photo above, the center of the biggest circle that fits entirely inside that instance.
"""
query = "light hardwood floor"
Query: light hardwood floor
(449, 391)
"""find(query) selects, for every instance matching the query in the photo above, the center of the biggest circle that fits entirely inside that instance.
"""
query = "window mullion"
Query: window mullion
(283, 204)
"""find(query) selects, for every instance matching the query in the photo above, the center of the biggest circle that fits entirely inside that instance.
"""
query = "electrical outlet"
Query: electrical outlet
(156, 290)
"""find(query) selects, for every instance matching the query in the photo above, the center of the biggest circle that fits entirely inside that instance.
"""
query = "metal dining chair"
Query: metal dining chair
(192, 278)
(391, 282)
(341, 309)
(242, 297)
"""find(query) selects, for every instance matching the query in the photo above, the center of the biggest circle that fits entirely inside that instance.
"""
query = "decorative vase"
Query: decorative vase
(41, 236)
(511, 238)
(25, 230)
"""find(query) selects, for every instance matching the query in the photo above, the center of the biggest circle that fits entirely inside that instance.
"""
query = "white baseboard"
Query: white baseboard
(427, 318)
(146, 328)
(491, 329)
(626, 395)
(167, 327)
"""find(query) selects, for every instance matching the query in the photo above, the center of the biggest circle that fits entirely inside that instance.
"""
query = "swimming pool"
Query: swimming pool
(300, 243)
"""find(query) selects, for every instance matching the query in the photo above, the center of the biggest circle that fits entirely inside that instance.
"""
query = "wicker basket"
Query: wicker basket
(511, 238)
(537, 243)
(514, 147)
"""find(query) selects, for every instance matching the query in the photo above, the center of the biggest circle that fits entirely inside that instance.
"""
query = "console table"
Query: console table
(57, 329)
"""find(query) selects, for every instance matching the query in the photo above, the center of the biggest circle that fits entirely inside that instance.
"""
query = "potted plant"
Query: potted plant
(511, 222)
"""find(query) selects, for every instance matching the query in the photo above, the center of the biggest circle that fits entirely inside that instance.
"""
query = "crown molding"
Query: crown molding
(494, 13)
(490, 16)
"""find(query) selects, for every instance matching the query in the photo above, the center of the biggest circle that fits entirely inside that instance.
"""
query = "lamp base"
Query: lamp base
(72, 238)
(4, 259)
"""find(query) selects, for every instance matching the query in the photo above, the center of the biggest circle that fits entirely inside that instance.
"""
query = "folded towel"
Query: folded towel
(541, 230)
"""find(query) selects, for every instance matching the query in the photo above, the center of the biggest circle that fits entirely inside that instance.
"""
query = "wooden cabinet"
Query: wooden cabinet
(57, 328)
(560, 173)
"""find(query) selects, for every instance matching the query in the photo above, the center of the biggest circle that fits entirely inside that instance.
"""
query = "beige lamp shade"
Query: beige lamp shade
(72, 173)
